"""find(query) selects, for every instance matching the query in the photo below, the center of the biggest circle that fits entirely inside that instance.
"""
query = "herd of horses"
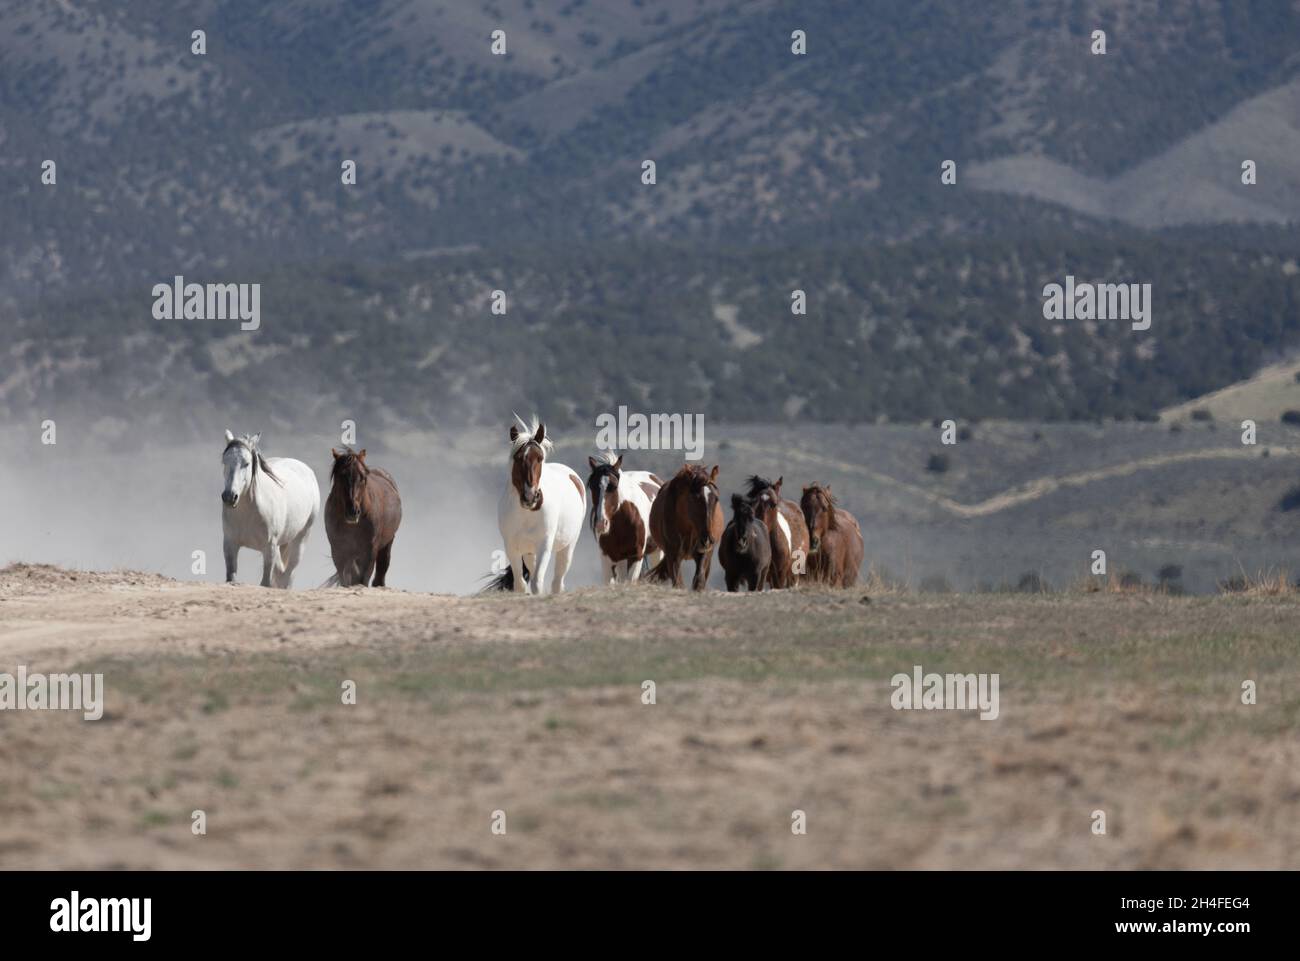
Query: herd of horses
(638, 521)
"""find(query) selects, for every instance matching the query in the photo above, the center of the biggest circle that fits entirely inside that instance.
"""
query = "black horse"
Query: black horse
(745, 550)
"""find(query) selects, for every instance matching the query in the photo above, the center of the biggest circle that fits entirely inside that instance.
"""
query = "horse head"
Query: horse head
(242, 461)
(818, 506)
(765, 497)
(349, 475)
(528, 449)
(742, 514)
(603, 484)
(698, 507)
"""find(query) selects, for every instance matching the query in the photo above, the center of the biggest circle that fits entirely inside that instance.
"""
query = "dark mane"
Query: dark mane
(815, 489)
(755, 485)
(344, 461)
(259, 462)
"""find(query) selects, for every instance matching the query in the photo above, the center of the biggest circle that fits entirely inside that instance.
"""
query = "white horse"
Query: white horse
(620, 517)
(540, 513)
(270, 505)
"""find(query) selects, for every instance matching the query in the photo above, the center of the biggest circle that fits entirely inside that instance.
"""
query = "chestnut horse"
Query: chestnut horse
(362, 513)
(686, 521)
(836, 540)
(786, 527)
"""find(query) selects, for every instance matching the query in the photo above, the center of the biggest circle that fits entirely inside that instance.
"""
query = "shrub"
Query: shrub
(938, 463)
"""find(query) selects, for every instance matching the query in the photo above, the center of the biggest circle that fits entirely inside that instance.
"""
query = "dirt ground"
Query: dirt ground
(229, 700)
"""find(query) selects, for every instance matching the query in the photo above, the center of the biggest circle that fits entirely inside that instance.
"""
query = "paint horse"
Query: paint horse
(620, 517)
(745, 551)
(686, 522)
(362, 514)
(270, 505)
(786, 527)
(539, 514)
(836, 550)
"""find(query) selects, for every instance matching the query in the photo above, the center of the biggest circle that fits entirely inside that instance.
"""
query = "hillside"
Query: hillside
(173, 162)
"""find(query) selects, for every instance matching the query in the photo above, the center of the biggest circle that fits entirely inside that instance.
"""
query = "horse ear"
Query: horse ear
(776, 488)
(713, 475)
(514, 433)
(618, 464)
(541, 433)
(229, 436)
(593, 462)
(362, 456)
(334, 453)
(256, 438)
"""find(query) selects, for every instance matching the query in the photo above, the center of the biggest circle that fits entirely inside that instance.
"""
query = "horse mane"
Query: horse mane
(692, 473)
(346, 459)
(831, 504)
(259, 462)
(527, 431)
(607, 457)
(755, 485)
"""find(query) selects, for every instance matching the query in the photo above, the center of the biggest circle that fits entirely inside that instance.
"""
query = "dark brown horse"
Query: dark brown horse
(362, 513)
(836, 540)
(686, 522)
(786, 527)
(745, 550)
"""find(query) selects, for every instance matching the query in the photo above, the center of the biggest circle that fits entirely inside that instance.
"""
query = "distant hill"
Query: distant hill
(523, 172)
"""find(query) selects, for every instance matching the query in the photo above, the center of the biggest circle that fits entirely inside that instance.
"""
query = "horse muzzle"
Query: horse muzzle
(704, 546)
(229, 498)
(814, 545)
(352, 518)
(531, 503)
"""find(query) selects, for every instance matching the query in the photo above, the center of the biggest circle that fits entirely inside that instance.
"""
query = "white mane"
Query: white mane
(526, 433)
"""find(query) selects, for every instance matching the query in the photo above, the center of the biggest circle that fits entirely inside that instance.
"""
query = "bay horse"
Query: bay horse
(362, 514)
(539, 514)
(686, 522)
(786, 527)
(745, 550)
(270, 505)
(836, 539)
(620, 517)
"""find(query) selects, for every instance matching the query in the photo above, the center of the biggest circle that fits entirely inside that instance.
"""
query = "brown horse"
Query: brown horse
(836, 548)
(786, 527)
(362, 513)
(686, 521)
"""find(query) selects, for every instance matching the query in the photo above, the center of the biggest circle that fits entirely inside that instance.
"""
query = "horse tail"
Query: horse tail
(336, 579)
(504, 581)
(659, 572)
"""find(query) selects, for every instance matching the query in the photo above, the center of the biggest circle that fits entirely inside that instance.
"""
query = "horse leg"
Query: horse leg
(606, 570)
(543, 567)
(382, 560)
(517, 568)
(563, 558)
(701, 579)
(269, 555)
(291, 554)
(733, 583)
(231, 550)
(634, 570)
